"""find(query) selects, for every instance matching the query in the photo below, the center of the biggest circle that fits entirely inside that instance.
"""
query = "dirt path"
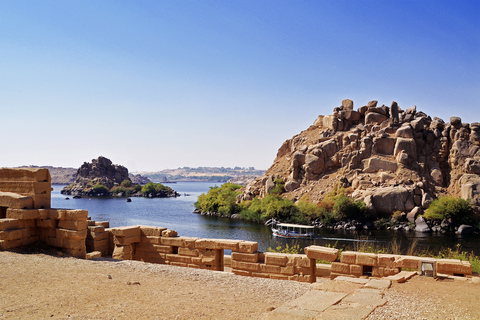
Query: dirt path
(40, 286)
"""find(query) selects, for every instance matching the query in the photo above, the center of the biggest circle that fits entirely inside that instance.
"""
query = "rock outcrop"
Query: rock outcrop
(393, 159)
(101, 175)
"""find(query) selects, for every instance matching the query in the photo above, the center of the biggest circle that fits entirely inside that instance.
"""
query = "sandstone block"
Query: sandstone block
(147, 231)
(22, 214)
(73, 243)
(227, 244)
(125, 231)
(323, 270)
(12, 234)
(77, 253)
(366, 259)
(179, 258)
(15, 201)
(338, 267)
(10, 244)
(151, 239)
(348, 257)
(407, 262)
(378, 272)
(453, 267)
(356, 270)
(321, 253)
(122, 252)
(173, 241)
(25, 174)
(169, 233)
(57, 214)
(188, 252)
(301, 260)
(189, 242)
(266, 268)
(64, 233)
(76, 214)
(303, 270)
(247, 266)
(277, 259)
(7, 224)
(386, 260)
(206, 244)
(105, 224)
(290, 270)
(73, 224)
(246, 257)
(163, 249)
(247, 246)
(46, 223)
(94, 254)
(121, 240)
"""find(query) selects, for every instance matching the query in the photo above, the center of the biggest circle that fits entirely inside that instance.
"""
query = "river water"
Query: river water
(176, 214)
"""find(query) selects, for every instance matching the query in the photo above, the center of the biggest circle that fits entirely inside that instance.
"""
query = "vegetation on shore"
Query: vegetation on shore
(336, 206)
(126, 189)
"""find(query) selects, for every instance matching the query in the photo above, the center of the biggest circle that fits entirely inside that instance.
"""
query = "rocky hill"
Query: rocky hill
(393, 159)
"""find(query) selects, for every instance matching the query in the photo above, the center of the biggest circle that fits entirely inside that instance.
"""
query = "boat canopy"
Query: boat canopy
(290, 225)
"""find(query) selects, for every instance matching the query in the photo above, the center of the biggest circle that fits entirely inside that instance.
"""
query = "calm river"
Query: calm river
(176, 214)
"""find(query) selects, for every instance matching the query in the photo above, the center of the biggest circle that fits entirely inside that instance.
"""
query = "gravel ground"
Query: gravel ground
(39, 286)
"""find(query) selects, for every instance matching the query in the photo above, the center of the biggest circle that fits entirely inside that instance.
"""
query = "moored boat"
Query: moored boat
(289, 230)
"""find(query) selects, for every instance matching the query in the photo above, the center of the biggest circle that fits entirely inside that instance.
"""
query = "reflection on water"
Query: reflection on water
(176, 214)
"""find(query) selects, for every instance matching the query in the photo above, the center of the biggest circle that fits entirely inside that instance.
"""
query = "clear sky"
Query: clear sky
(166, 84)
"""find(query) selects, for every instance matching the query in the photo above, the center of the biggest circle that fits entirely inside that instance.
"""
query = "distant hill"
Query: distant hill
(59, 175)
(206, 174)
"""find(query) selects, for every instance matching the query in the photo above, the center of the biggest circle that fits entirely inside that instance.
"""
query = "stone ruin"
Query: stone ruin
(26, 217)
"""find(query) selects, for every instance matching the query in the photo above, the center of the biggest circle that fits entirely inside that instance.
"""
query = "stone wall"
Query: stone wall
(26, 216)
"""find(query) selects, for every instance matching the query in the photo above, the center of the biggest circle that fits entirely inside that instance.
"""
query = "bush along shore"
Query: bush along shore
(125, 189)
(336, 210)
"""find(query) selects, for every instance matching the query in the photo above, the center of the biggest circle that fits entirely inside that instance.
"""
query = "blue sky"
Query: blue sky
(166, 84)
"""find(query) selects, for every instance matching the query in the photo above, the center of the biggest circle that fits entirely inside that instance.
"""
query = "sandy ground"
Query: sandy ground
(40, 286)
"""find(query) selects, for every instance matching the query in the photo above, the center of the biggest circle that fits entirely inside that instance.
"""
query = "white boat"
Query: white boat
(288, 230)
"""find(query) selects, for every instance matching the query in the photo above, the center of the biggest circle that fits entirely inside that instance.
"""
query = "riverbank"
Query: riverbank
(40, 285)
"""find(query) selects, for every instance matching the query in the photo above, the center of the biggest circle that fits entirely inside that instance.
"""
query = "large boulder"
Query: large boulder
(470, 187)
(347, 104)
(374, 118)
(405, 131)
(374, 164)
(389, 199)
(384, 145)
(407, 146)
(421, 225)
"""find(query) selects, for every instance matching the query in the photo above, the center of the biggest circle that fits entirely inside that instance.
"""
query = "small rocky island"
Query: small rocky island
(101, 178)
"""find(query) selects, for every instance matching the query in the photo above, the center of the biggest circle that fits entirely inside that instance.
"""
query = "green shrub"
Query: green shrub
(279, 187)
(126, 183)
(221, 200)
(457, 209)
(100, 188)
(346, 208)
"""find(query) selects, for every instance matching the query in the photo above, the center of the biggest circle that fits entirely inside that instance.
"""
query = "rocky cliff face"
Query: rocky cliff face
(393, 159)
(101, 170)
